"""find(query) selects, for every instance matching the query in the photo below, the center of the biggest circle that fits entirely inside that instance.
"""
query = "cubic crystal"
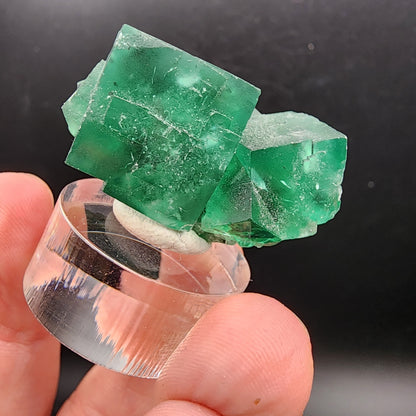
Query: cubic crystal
(166, 132)
(283, 181)
(159, 126)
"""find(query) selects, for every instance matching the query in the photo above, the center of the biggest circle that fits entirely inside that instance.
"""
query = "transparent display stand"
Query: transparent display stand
(115, 299)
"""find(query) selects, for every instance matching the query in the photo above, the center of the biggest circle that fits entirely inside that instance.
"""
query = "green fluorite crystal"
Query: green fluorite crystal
(167, 133)
(284, 179)
(158, 125)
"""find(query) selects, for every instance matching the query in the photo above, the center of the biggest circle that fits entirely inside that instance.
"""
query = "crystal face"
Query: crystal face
(158, 125)
(283, 181)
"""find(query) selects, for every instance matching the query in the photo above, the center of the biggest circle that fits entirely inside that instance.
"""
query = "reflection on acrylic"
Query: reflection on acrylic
(114, 299)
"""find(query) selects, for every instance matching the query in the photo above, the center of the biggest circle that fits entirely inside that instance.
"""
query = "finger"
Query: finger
(105, 392)
(29, 356)
(249, 355)
(180, 408)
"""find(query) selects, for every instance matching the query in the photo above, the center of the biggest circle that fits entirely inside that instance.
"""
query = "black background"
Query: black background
(351, 63)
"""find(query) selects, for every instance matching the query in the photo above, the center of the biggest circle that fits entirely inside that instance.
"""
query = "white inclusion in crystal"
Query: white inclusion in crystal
(285, 184)
(257, 179)
(209, 141)
(121, 120)
(311, 164)
(317, 186)
(134, 167)
(187, 81)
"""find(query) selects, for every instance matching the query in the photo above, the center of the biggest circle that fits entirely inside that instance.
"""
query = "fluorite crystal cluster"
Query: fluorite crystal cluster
(179, 140)
(284, 179)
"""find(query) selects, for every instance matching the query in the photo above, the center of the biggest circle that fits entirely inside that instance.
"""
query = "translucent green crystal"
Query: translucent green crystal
(76, 106)
(158, 125)
(168, 134)
(283, 181)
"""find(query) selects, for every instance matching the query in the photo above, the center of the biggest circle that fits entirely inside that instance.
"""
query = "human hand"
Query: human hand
(248, 355)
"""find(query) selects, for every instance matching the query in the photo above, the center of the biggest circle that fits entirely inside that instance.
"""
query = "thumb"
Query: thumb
(180, 408)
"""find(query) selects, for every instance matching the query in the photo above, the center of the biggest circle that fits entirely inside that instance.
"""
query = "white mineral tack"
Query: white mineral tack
(144, 228)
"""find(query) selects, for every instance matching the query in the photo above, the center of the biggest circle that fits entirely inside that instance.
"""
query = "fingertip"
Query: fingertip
(21, 183)
(276, 313)
(251, 346)
(25, 206)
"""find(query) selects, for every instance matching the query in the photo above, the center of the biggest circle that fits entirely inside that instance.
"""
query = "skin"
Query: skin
(248, 355)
